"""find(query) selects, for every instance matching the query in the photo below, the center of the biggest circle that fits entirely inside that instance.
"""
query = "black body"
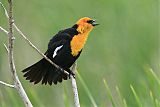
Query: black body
(45, 71)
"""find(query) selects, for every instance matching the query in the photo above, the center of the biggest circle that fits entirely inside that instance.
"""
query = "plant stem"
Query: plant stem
(17, 83)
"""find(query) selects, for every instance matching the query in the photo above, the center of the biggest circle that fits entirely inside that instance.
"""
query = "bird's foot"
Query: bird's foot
(72, 74)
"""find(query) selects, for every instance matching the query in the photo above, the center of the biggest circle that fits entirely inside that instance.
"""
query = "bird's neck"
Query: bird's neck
(78, 42)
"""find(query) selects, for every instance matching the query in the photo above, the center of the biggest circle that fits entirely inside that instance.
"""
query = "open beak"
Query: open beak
(94, 23)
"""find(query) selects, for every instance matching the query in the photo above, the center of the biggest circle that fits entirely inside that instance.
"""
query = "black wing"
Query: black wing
(60, 39)
(66, 34)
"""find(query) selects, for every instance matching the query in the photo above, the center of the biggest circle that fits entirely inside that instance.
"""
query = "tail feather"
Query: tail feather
(39, 76)
(44, 81)
(50, 77)
(35, 72)
(44, 71)
(47, 75)
(55, 78)
(59, 79)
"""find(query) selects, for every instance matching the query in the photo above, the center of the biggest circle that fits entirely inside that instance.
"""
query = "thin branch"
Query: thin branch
(74, 86)
(6, 84)
(5, 10)
(3, 30)
(12, 86)
(5, 46)
(1, 82)
(17, 83)
(30, 43)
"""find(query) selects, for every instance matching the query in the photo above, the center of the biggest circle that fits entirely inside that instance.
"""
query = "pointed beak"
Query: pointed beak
(94, 23)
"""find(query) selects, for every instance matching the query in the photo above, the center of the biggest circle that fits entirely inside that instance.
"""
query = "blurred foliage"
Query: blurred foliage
(120, 50)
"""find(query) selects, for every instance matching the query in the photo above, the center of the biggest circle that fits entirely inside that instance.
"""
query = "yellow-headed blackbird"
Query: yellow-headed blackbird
(63, 49)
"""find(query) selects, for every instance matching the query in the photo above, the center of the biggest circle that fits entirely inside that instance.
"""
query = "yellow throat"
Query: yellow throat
(78, 42)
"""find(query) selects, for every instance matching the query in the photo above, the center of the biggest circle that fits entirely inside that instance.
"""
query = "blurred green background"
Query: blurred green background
(122, 50)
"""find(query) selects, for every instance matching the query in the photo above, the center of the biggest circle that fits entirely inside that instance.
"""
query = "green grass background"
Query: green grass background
(115, 66)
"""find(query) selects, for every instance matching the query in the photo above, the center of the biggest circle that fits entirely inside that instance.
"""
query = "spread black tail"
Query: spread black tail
(44, 71)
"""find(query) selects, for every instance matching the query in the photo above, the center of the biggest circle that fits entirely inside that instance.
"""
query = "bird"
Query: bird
(63, 49)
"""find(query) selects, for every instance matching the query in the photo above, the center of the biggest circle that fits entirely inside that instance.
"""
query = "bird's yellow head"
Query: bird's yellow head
(85, 24)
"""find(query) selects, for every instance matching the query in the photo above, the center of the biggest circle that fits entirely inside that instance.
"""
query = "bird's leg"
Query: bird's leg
(70, 73)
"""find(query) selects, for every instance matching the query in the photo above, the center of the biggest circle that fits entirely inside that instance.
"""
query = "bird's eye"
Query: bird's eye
(90, 21)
